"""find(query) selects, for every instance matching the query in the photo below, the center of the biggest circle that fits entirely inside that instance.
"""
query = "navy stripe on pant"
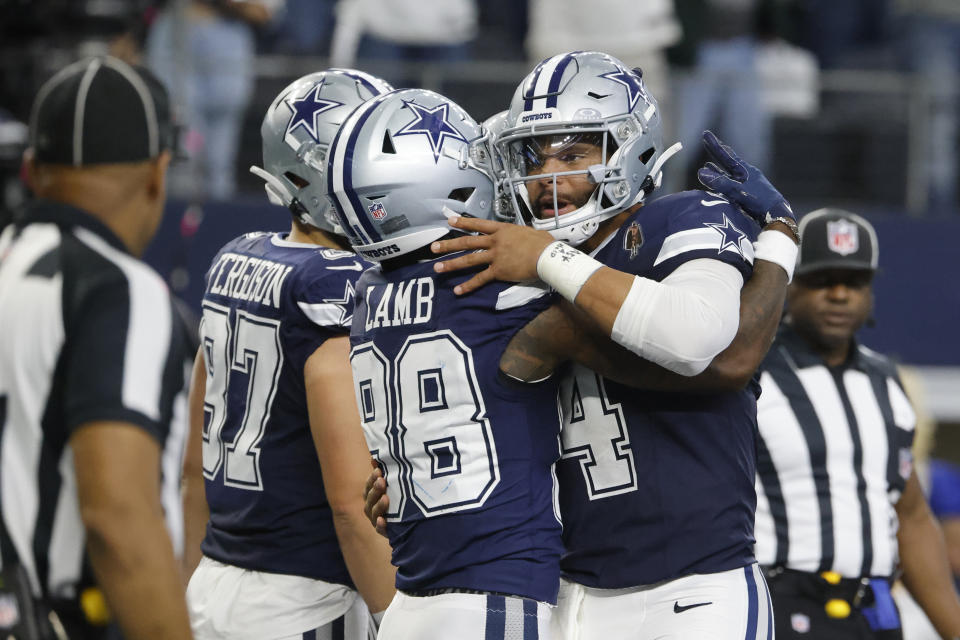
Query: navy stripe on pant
(752, 608)
(496, 618)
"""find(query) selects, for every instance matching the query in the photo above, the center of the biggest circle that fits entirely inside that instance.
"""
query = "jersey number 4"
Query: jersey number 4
(595, 433)
(425, 422)
(249, 346)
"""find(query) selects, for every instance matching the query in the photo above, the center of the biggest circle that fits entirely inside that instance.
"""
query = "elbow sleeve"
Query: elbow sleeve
(683, 322)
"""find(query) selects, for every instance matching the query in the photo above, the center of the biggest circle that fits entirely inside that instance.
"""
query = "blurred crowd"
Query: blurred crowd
(734, 65)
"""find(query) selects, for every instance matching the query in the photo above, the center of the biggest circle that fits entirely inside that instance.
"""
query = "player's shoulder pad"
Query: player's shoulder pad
(703, 221)
(325, 287)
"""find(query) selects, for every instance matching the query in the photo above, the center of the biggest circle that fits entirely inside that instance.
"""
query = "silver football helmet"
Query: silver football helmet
(297, 132)
(582, 97)
(492, 127)
(401, 165)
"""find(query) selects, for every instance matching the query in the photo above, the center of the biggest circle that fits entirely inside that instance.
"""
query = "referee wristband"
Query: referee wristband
(565, 269)
(777, 248)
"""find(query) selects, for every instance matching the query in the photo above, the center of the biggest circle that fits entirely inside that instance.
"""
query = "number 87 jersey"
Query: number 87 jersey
(269, 304)
(467, 453)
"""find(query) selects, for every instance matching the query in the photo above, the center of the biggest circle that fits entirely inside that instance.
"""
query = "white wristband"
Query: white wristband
(777, 248)
(565, 269)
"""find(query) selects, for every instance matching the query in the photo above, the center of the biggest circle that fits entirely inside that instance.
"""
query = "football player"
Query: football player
(453, 391)
(285, 548)
(656, 489)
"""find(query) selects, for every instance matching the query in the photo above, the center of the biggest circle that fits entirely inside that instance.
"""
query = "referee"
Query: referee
(839, 508)
(91, 357)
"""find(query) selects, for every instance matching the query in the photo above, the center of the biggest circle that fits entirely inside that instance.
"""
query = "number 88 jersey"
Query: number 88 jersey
(467, 453)
(268, 305)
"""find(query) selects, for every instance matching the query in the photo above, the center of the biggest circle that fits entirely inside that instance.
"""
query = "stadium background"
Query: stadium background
(851, 126)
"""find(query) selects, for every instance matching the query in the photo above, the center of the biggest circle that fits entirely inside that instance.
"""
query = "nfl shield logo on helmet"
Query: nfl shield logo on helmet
(377, 211)
(842, 237)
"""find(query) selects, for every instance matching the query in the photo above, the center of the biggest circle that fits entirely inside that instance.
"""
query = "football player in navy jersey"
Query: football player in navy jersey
(456, 395)
(276, 442)
(656, 487)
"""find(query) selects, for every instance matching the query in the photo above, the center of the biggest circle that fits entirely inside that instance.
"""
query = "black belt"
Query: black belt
(825, 586)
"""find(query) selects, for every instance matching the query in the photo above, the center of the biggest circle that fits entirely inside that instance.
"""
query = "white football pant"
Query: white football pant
(731, 605)
(465, 616)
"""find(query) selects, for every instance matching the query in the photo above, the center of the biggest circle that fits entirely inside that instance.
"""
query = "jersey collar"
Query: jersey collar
(804, 356)
(65, 215)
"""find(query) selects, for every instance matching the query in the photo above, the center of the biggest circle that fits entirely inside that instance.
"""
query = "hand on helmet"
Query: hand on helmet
(741, 183)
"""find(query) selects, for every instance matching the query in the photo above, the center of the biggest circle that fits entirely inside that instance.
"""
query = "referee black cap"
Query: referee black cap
(100, 110)
(836, 239)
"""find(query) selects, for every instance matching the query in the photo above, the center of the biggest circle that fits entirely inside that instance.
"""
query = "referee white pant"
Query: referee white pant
(731, 605)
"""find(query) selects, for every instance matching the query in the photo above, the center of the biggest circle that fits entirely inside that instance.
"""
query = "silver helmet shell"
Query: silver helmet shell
(297, 132)
(586, 93)
(492, 127)
(401, 165)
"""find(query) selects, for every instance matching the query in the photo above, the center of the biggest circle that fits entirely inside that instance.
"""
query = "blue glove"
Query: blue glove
(741, 183)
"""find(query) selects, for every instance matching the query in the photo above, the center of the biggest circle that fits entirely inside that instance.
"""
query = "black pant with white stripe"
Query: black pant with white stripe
(799, 609)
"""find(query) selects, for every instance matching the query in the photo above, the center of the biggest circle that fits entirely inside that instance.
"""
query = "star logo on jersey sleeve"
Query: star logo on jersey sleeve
(730, 236)
(343, 304)
(432, 123)
(306, 111)
(331, 312)
(630, 81)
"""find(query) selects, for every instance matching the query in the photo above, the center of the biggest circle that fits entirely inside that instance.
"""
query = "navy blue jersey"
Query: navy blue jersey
(268, 305)
(659, 485)
(467, 453)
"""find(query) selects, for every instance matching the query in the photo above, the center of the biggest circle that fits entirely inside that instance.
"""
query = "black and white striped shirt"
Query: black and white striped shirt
(87, 333)
(834, 455)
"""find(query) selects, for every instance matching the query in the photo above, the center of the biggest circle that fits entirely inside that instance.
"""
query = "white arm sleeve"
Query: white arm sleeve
(683, 322)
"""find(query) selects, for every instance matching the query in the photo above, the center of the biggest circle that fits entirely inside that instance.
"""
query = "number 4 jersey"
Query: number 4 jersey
(269, 304)
(657, 485)
(467, 453)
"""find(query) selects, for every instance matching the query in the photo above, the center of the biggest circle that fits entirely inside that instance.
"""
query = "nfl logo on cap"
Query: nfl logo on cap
(842, 237)
(377, 211)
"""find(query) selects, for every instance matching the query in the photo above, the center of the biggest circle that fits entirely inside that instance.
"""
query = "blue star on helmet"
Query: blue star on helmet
(432, 123)
(306, 111)
(730, 236)
(630, 81)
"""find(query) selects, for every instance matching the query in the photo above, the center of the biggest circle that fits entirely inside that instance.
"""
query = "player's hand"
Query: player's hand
(375, 500)
(510, 251)
(741, 183)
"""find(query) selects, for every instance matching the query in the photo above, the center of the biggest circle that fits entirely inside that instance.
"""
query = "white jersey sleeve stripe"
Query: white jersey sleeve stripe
(325, 314)
(697, 240)
(903, 414)
(519, 295)
(66, 546)
(149, 329)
